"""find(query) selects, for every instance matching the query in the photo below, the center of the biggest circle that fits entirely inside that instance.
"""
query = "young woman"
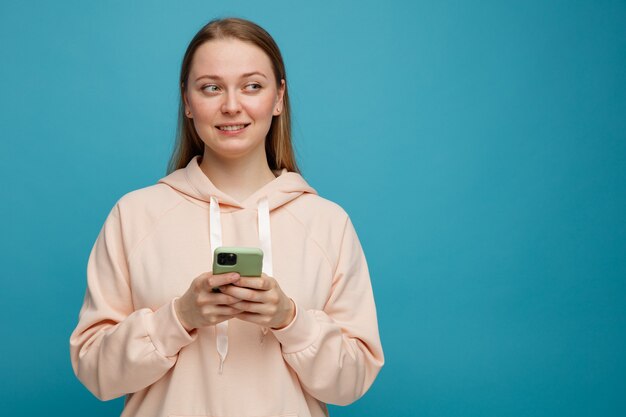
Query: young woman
(154, 328)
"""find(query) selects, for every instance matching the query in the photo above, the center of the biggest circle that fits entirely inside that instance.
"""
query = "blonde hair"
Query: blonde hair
(278, 147)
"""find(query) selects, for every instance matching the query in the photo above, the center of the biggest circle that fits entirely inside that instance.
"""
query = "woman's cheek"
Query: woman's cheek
(263, 108)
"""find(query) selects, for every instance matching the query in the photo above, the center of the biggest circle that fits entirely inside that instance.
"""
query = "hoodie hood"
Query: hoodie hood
(193, 183)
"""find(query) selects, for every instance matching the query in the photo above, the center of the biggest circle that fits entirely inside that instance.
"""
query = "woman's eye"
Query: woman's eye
(211, 88)
(253, 87)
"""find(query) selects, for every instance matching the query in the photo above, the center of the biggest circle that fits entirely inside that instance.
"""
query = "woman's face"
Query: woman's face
(231, 96)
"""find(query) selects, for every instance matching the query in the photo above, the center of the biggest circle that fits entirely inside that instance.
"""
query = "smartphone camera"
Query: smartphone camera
(226, 258)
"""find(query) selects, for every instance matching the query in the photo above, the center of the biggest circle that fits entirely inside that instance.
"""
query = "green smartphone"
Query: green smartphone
(248, 262)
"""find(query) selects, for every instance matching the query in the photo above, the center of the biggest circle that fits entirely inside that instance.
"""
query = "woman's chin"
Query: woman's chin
(233, 151)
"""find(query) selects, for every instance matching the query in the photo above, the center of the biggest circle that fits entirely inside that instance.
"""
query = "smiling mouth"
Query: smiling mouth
(229, 128)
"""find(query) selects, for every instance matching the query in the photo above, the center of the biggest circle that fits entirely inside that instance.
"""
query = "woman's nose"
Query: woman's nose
(231, 104)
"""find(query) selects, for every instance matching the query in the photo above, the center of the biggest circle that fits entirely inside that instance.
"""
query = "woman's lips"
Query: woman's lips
(232, 128)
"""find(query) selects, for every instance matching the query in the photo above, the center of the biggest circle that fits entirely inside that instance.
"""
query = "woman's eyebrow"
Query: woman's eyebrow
(246, 75)
(250, 74)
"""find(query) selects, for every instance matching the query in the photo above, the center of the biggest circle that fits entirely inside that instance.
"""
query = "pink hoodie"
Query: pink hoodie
(158, 239)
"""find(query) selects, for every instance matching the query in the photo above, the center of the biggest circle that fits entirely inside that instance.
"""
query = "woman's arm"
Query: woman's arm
(114, 349)
(337, 352)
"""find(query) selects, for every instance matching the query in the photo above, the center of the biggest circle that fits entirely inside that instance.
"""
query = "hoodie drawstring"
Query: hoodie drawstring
(265, 238)
(265, 235)
(221, 329)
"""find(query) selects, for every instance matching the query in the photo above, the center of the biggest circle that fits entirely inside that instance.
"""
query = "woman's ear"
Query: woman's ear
(186, 102)
(278, 108)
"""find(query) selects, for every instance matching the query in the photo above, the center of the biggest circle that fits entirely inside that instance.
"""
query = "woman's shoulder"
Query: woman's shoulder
(159, 194)
(315, 204)
(318, 213)
(148, 202)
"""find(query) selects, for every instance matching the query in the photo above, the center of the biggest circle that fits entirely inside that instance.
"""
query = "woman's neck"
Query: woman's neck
(238, 177)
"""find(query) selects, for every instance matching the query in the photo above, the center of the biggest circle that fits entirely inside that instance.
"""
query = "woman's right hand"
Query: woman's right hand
(200, 306)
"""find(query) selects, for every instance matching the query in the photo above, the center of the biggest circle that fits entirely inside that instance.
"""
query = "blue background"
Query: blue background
(479, 147)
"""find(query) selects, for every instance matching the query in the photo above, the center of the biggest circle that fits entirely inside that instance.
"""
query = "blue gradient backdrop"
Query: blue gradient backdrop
(480, 148)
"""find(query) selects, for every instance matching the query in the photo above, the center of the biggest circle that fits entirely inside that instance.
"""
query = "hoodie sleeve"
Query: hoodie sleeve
(337, 352)
(115, 349)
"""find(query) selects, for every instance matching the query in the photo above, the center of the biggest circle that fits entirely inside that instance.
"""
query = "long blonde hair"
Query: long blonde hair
(278, 147)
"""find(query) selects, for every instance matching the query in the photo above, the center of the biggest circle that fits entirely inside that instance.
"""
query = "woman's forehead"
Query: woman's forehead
(230, 57)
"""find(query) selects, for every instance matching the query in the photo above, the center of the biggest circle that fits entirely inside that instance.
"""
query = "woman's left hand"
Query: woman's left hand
(263, 301)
